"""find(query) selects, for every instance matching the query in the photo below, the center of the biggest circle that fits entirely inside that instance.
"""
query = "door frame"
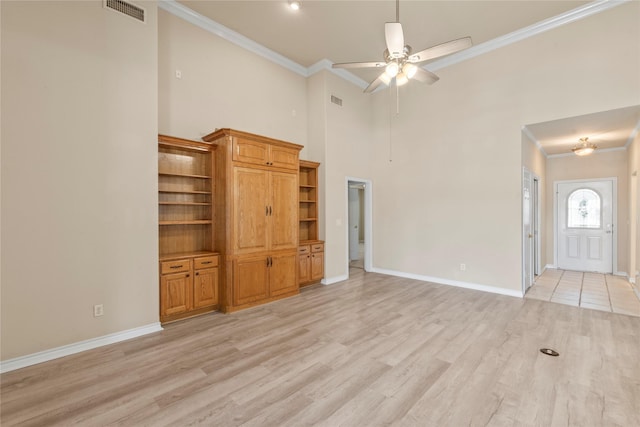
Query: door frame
(535, 228)
(614, 215)
(368, 221)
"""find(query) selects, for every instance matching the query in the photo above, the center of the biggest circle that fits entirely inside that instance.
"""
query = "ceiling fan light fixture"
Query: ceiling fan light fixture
(409, 70)
(584, 148)
(294, 4)
(401, 79)
(385, 78)
(392, 69)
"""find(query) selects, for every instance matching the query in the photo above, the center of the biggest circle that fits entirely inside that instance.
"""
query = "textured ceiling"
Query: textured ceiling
(347, 31)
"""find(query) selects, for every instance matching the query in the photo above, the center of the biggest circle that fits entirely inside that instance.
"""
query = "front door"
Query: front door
(585, 225)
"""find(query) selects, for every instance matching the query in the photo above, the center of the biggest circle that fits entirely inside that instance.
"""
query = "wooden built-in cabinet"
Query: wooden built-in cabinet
(189, 276)
(310, 249)
(188, 286)
(257, 227)
(310, 263)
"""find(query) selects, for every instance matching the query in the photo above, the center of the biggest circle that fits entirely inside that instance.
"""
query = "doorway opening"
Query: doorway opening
(530, 228)
(585, 236)
(359, 223)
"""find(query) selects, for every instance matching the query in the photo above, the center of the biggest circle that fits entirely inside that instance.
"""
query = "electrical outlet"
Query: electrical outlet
(98, 310)
(463, 267)
(178, 74)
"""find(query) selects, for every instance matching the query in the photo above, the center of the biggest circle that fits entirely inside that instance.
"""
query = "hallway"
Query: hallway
(596, 291)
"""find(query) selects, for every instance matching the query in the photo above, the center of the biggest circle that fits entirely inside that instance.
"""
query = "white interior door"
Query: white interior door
(527, 229)
(354, 220)
(585, 226)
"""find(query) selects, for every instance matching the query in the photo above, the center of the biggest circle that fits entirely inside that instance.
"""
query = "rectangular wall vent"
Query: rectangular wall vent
(336, 100)
(127, 8)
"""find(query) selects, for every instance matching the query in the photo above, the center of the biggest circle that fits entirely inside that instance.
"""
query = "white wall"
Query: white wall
(224, 86)
(452, 193)
(316, 146)
(598, 165)
(79, 173)
(348, 154)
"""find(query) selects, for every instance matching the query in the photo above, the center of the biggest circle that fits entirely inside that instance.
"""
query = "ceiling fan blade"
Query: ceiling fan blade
(374, 84)
(359, 65)
(425, 76)
(441, 50)
(394, 38)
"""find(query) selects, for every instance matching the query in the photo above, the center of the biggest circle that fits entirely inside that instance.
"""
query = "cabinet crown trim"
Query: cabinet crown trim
(172, 141)
(250, 136)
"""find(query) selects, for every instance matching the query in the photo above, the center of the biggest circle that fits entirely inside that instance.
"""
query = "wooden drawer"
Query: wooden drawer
(317, 247)
(303, 250)
(176, 266)
(205, 262)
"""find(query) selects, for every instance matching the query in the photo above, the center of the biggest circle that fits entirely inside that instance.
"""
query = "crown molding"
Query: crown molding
(533, 139)
(633, 134)
(181, 11)
(325, 64)
(526, 32)
(597, 151)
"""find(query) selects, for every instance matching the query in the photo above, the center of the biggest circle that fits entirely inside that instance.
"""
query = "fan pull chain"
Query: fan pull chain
(397, 10)
(390, 129)
(397, 99)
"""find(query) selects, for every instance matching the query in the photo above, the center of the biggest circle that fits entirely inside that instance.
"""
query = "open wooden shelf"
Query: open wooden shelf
(184, 203)
(184, 192)
(189, 254)
(308, 200)
(190, 222)
(184, 175)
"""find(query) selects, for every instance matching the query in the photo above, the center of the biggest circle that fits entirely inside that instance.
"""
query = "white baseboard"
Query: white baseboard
(552, 266)
(621, 273)
(456, 283)
(336, 279)
(66, 350)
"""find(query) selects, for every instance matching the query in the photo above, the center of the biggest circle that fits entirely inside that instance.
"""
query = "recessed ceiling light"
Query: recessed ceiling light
(294, 4)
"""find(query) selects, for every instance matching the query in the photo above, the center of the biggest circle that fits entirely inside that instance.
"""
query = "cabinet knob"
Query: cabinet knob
(187, 275)
(197, 273)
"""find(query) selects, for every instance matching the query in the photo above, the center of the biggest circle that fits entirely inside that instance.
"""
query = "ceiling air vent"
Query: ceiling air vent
(127, 8)
(336, 100)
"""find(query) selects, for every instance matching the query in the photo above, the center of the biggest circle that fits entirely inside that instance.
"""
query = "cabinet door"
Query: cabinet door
(250, 210)
(284, 213)
(304, 268)
(286, 158)
(282, 274)
(248, 151)
(250, 280)
(205, 288)
(175, 293)
(317, 265)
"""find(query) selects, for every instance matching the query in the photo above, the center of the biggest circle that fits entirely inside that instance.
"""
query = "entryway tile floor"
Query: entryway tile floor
(596, 291)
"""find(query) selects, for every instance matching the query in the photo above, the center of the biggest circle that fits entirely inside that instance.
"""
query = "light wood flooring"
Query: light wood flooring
(588, 290)
(371, 351)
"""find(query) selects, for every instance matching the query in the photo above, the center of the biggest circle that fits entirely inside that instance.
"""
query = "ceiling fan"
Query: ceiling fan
(399, 63)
